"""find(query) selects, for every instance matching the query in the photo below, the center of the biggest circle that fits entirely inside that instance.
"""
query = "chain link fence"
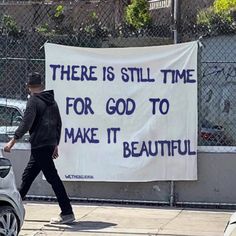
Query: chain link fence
(26, 25)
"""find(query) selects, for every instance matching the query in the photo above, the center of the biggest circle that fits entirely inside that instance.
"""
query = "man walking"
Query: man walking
(42, 120)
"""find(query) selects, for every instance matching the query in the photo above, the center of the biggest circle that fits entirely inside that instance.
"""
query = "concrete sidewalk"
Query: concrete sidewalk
(124, 220)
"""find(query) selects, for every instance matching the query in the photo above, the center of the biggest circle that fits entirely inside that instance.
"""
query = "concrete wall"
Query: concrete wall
(216, 180)
(215, 184)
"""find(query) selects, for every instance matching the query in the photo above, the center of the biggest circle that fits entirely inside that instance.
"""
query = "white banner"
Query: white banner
(129, 114)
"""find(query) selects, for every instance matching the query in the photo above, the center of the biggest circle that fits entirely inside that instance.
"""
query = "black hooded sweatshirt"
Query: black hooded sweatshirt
(42, 119)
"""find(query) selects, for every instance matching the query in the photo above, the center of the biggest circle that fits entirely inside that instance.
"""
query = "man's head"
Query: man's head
(34, 82)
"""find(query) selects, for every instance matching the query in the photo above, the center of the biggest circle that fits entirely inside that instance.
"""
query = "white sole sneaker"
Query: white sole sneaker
(63, 219)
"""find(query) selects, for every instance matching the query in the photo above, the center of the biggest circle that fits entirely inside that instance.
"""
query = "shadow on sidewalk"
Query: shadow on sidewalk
(82, 225)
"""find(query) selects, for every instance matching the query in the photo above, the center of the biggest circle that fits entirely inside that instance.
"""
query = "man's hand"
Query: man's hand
(9, 145)
(55, 153)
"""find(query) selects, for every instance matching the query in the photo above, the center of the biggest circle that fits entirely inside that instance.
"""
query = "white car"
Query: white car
(12, 211)
(230, 229)
(11, 113)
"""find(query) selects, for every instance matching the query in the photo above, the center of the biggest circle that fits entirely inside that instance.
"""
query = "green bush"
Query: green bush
(204, 16)
(224, 5)
(45, 29)
(55, 23)
(218, 18)
(9, 25)
(137, 14)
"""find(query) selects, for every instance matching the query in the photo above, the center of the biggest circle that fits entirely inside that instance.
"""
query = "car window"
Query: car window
(9, 116)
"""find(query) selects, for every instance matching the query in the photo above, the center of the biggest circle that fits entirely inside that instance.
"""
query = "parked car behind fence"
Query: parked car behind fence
(11, 114)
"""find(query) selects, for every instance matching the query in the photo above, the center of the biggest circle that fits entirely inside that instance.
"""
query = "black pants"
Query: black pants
(41, 159)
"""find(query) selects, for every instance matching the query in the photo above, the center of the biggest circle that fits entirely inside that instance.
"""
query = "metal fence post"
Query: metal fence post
(176, 17)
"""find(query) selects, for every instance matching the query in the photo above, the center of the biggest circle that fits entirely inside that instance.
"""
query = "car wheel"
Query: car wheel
(8, 221)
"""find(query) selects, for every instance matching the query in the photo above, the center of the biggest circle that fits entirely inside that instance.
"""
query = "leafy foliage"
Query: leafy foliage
(224, 5)
(137, 14)
(9, 26)
(218, 19)
(54, 26)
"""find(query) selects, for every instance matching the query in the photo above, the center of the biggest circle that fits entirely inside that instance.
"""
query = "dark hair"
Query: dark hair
(34, 79)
